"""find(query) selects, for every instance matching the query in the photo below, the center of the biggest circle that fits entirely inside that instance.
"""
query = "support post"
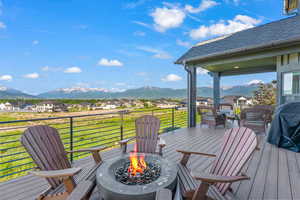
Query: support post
(71, 139)
(191, 95)
(216, 89)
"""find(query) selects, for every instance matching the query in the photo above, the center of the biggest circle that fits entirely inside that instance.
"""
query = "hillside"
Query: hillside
(145, 92)
(9, 93)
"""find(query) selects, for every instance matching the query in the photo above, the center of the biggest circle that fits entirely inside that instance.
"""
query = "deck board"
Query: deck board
(275, 173)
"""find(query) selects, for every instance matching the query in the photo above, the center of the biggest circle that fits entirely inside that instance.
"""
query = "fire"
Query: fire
(137, 164)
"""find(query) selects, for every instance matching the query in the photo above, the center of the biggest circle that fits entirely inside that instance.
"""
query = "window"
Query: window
(291, 83)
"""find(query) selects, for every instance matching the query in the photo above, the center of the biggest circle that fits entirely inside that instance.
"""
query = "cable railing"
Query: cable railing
(77, 132)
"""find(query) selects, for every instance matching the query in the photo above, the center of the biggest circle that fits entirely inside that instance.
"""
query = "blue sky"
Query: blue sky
(116, 44)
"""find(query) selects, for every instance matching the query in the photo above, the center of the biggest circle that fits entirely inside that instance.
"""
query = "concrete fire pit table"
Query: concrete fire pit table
(112, 189)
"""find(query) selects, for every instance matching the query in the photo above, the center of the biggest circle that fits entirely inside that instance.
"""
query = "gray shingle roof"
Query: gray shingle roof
(282, 30)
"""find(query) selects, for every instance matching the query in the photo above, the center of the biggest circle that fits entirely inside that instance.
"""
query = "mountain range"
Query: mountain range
(143, 92)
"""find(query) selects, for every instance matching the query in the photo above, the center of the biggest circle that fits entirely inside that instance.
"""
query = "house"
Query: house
(230, 99)
(204, 101)
(271, 47)
(51, 106)
(108, 106)
(13, 106)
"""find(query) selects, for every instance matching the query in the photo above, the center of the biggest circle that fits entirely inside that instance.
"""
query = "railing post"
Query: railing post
(121, 125)
(152, 112)
(71, 139)
(173, 118)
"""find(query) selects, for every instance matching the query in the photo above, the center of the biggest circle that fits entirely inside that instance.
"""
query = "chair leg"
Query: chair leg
(200, 193)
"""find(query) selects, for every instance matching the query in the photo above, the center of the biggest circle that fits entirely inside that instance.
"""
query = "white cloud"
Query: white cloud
(6, 78)
(35, 42)
(53, 69)
(73, 70)
(139, 33)
(32, 75)
(135, 4)
(142, 24)
(46, 68)
(255, 81)
(141, 73)
(183, 43)
(201, 71)
(171, 78)
(172, 15)
(2, 25)
(166, 18)
(121, 84)
(236, 2)
(240, 22)
(160, 54)
(204, 5)
(110, 63)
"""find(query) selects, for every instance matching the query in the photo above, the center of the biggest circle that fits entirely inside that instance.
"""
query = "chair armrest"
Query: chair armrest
(161, 142)
(93, 149)
(82, 191)
(123, 144)
(211, 178)
(125, 141)
(163, 194)
(187, 154)
(161, 145)
(95, 152)
(196, 153)
(57, 173)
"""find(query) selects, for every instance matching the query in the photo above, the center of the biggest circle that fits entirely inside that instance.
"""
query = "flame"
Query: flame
(137, 164)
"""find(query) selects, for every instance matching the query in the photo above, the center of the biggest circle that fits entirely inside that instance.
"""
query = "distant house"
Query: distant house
(108, 107)
(231, 99)
(2, 106)
(51, 106)
(237, 100)
(9, 106)
(204, 101)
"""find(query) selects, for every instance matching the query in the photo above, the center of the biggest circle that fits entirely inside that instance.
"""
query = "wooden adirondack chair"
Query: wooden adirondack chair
(147, 138)
(238, 146)
(45, 147)
(210, 116)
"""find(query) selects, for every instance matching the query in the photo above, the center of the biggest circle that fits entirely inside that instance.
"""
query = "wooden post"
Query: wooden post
(191, 95)
(216, 89)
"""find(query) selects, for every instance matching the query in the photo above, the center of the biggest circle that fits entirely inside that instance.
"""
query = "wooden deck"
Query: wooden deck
(274, 172)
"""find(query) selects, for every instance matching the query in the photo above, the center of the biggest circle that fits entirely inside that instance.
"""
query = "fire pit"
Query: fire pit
(136, 176)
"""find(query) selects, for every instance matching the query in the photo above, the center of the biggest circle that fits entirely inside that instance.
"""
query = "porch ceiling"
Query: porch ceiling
(244, 67)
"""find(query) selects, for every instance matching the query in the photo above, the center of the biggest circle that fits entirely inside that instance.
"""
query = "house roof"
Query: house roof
(274, 34)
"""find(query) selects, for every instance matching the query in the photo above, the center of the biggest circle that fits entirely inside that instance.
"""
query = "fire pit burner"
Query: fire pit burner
(124, 178)
(149, 174)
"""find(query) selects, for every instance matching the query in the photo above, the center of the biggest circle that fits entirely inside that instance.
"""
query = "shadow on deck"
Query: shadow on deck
(274, 172)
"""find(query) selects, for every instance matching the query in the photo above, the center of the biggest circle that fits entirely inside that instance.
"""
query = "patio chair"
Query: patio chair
(211, 117)
(269, 111)
(255, 119)
(45, 147)
(147, 138)
(238, 145)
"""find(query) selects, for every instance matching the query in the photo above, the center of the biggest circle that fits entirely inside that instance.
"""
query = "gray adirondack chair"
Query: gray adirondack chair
(45, 147)
(147, 138)
(237, 147)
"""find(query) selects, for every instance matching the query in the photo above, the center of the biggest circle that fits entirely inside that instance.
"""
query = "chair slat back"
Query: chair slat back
(147, 128)
(46, 149)
(238, 146)
(253, 114)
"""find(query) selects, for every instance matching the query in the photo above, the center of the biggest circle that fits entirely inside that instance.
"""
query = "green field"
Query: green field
(87, 132)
